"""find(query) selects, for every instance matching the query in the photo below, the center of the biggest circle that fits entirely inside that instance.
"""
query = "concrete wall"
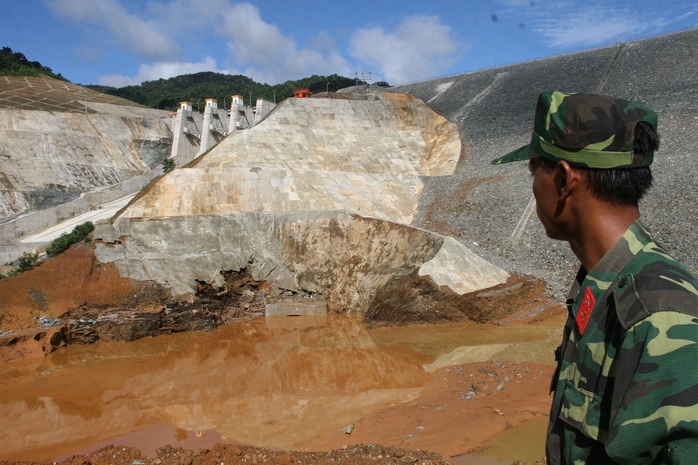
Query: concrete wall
(186, 139)
(361, 155)
(328, 256)
(241, 117)
(12, 231)
(196, 133)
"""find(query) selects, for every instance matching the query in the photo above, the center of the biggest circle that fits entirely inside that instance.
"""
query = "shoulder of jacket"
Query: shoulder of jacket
(661, 285)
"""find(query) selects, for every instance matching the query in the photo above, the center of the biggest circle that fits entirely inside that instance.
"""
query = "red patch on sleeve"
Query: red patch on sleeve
(584, 312)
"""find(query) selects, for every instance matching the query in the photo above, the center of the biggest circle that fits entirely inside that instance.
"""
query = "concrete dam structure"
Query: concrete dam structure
(322, 196)
(195, 134)
(316, 200)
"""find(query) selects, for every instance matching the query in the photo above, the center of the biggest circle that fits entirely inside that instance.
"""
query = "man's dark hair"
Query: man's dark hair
(626, 186)
(623, 186)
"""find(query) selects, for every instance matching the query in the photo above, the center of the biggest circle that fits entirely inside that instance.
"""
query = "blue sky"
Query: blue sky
(122, 42)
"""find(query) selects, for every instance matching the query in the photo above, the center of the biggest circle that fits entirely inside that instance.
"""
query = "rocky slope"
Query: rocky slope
(489, 208)
(59, 140)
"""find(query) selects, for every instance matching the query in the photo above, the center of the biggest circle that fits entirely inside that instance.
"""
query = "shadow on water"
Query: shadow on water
(276, 383)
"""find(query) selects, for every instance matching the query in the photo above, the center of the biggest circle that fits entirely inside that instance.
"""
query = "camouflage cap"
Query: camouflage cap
(586, 130)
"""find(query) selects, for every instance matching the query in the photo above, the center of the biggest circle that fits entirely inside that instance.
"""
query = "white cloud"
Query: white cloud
(250, 39)
(267, 54)
(138, 35)
(257, 48)
(569, 24)
(324, 42)
(160, 70)
(193, 17)
(588, 27)
(418, 48)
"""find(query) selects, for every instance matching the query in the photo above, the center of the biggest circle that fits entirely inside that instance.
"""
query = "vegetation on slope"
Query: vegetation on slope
(16, 64)
(80, 233)
(166, 94)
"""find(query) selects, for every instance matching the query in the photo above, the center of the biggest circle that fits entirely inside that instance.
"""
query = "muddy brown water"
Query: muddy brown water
(276, 383)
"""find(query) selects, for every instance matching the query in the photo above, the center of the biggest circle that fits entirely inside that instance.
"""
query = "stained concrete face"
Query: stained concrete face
(316, 199)
(362, 156)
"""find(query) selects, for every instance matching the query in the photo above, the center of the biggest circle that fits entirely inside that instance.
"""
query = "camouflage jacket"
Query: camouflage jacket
(626, 387)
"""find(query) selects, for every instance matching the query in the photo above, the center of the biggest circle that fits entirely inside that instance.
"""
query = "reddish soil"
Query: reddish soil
(68, 281)
(458, 410)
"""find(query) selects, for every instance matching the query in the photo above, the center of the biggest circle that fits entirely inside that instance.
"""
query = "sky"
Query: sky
(126, 42)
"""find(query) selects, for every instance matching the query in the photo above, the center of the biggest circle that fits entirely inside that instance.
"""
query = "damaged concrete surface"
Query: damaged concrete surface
(317, 200)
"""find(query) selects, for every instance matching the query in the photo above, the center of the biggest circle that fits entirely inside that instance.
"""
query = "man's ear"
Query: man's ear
(566, 179)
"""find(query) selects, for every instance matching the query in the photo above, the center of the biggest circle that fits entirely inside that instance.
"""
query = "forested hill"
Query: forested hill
(166, 94)
(16, 64)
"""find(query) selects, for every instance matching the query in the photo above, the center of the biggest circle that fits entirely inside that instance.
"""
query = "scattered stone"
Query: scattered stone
(48, 322)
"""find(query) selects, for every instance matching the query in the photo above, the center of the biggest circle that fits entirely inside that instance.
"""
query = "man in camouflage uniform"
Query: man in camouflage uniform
(626, 386)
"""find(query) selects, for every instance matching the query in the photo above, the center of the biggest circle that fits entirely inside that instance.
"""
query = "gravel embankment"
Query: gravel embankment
(481, 204)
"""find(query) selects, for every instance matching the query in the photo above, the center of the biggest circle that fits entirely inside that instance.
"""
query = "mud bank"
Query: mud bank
(75, 299)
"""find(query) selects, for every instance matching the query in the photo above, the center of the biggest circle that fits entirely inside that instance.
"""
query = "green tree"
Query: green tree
(27, 262)
(166, 94)
(16, 64)
(24, 263)
(168, 164)
(80, 233)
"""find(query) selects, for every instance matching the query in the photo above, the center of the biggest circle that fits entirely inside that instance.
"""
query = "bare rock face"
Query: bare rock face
(58, 140)
(317, 200)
